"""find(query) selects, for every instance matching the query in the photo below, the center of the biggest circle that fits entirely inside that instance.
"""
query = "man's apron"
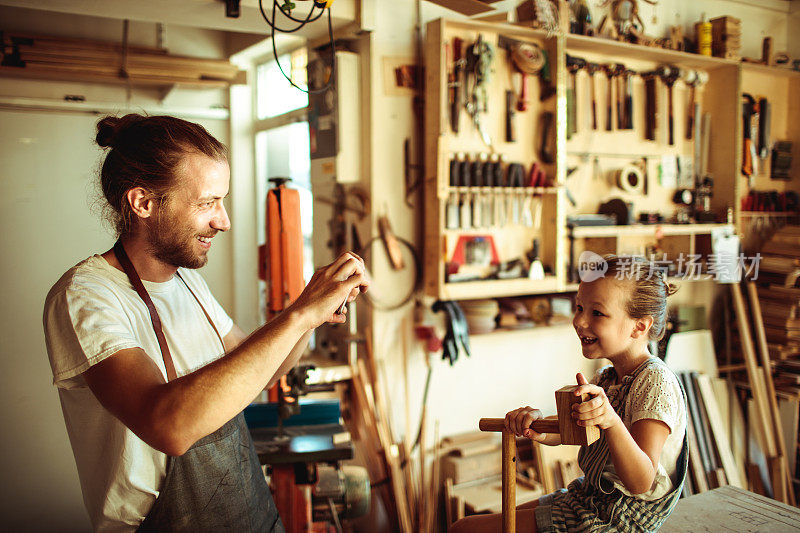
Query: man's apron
(217, 485)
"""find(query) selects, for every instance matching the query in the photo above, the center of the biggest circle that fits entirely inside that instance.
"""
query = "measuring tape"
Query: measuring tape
(631, 179)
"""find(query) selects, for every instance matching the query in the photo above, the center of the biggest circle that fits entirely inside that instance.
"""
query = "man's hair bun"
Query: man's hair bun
(109, 128)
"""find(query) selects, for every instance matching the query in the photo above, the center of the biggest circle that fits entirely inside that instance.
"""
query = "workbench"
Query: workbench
(732, 509)
(324, 443)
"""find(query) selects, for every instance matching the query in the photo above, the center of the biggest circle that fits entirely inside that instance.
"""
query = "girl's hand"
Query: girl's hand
(594, 412)
(519, 421)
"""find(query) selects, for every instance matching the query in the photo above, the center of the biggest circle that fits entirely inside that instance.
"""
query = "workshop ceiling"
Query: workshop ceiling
(208, 14)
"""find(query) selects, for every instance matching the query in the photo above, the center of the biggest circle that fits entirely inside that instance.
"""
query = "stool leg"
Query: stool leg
(509, 482)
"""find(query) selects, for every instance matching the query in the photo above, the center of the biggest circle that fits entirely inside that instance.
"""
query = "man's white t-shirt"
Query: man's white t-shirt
(91, 313)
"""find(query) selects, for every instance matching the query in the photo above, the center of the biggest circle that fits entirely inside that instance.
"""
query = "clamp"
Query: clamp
(457, 336)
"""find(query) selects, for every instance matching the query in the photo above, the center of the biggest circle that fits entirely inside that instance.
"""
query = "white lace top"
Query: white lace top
(655, 394)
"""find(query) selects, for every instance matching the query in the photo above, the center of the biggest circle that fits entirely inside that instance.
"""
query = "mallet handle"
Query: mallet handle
(543, 425)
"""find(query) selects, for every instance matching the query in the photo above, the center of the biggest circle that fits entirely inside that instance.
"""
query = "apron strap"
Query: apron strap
(133, 276)
(208, 317)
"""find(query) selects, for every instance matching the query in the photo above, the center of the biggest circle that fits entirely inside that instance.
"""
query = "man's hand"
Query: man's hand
(330, 285)
(594, 412)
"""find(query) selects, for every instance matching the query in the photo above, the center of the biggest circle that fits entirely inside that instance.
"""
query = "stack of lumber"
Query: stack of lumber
(784, 243)
(58, 58)
(779, 294)
(711, 459)
(368, 422)
(767, 336)
(472, 472)
(780, 310)
(404, 473)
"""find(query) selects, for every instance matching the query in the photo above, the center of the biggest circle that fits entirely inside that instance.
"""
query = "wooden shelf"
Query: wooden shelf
(473, 290)
(771, 71)
(504, 190)
(719, 98)
(138, 81)
(645, 230)
(533, 331)
(770, 214)
(571, 287)
(618, 49)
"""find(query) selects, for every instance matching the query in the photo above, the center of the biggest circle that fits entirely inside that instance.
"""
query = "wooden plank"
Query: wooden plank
(493, 17)
(733, 420)
(717, 479)
(731, 509)
(486, 496)
(696, 420)
(721, 438)
(80, 44)
(695, 462)
(546, 458)
(449, 511)
(762, 420)
(465, 7)
(80, 75)
(434, 491)
(790, 415)
(786, 492)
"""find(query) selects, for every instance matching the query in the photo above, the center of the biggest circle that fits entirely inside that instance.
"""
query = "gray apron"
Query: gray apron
(217, 485)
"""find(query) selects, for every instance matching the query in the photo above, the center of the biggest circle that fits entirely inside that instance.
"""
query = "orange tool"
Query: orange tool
(284, 247)
(284, 261)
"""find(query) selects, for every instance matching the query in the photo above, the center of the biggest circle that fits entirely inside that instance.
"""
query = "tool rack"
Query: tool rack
(781, 87)
(572, 172)
(511, 240)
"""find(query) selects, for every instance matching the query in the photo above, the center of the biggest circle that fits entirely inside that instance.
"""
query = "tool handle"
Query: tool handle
(543, 425)
(650, 108)
(690, 115)
(671, 118)
(510, 134)
(522, 102)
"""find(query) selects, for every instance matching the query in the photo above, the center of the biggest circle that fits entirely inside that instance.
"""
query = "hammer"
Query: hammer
(669, 75)
(564, 424)
(694, 79)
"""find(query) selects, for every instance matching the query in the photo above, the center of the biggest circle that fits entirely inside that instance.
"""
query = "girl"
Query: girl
(635, 471)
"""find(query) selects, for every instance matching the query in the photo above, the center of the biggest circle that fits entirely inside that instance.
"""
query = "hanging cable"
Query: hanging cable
(301, 23)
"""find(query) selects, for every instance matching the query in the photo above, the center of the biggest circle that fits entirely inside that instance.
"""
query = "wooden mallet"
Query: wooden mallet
(564, 425)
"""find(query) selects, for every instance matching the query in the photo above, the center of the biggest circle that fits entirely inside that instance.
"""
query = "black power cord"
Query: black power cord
(311, 17)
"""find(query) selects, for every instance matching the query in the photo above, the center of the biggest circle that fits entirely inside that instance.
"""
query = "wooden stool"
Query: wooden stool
(564, 425)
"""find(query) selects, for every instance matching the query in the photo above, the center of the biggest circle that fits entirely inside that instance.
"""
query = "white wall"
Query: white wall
(50, 221)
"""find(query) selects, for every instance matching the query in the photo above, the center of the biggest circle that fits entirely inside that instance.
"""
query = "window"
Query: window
(281, 139)
(274, 95)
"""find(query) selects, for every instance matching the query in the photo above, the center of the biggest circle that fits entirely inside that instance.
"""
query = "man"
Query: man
(152, 374)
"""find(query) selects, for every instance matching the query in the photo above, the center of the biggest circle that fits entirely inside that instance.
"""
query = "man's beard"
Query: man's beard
(173, 245)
